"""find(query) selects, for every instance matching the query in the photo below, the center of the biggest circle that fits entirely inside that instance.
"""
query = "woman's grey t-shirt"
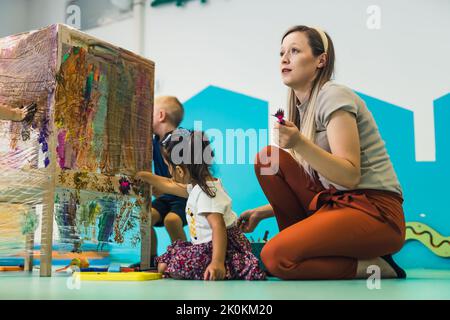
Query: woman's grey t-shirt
(377, 171)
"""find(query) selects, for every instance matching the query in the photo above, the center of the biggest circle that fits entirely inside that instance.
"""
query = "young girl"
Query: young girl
(218, 249)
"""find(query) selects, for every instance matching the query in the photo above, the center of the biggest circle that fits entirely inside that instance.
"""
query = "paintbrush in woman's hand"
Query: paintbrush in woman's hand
(280, 116)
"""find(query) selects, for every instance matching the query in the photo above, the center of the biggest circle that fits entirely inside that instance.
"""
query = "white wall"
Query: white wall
(13, 16)
(45, 12)
(122, 34)
(23, 15)
(234, 44)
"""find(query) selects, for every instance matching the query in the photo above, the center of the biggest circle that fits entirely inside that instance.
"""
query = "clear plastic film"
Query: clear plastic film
(67, 168)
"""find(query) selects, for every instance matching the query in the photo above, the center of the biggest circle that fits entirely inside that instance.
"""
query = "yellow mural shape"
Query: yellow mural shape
(429, 237)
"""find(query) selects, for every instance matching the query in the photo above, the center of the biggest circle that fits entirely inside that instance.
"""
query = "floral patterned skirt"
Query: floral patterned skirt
(186, 260)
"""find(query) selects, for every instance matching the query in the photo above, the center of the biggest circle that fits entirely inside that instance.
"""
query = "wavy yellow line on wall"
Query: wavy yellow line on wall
(429, 237)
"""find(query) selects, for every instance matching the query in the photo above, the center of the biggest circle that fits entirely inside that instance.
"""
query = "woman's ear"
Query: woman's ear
(322, 61)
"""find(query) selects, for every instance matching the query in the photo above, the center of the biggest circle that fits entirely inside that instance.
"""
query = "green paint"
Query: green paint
(87, 215)
(29, 223)
(66, 56)
(89, 81)
(179, 3)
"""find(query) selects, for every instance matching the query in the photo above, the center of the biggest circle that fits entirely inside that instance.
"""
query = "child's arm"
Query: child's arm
(18, 114)
(7, 113)
(216, 269)
(163, 184)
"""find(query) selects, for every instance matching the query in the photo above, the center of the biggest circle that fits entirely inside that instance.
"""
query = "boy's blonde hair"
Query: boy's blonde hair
(174, 108)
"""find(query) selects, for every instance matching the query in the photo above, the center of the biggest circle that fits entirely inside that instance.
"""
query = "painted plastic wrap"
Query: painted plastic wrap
(67, 173)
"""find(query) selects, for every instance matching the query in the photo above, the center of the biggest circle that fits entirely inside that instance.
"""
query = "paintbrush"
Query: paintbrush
(280, 116)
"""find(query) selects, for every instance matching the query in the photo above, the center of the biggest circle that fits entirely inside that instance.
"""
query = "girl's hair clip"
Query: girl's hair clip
(182, 132)
(178, 133)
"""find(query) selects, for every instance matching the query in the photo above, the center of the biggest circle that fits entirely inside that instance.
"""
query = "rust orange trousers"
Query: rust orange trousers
(324, 232)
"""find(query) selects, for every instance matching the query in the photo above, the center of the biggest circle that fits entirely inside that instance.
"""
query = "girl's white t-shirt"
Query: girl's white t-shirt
(199, 203)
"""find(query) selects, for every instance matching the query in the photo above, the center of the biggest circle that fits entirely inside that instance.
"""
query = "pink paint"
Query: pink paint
(60, 149)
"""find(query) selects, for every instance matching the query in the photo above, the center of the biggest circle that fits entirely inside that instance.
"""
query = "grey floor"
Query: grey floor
(420, 284)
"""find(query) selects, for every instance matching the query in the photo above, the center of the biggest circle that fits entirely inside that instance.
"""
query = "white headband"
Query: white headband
(324, 38)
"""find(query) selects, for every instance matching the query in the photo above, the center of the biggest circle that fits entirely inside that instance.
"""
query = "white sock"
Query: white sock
(387, 272)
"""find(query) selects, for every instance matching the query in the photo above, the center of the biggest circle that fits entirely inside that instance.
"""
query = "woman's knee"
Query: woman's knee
(264, 157)
(269, 160)
(270, 258)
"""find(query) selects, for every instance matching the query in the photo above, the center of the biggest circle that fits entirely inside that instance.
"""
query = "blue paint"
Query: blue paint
(114, 267)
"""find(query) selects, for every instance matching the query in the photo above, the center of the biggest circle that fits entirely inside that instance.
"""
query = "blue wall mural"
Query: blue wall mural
(423, 182)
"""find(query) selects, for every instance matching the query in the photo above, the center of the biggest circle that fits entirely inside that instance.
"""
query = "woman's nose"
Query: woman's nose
(285, 59)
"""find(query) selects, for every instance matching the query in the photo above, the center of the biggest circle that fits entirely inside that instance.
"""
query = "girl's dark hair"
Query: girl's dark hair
(192, 151)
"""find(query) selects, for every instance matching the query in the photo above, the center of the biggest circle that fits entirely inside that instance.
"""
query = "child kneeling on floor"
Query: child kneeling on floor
(218, 249)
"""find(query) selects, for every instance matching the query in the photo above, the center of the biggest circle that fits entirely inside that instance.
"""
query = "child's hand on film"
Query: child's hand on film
(215, 271)
(24, 113)
(18, 114)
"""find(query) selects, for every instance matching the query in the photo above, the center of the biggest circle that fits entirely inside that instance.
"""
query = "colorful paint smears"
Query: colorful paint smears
(102, 103)
(125, 186)
(91, 126)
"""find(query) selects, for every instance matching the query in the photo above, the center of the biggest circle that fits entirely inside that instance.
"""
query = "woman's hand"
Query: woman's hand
(287, 136)
(215, 271)
(248, 220)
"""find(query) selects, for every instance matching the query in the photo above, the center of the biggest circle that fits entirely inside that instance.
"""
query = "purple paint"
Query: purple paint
(44, 146)
(60, 149)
